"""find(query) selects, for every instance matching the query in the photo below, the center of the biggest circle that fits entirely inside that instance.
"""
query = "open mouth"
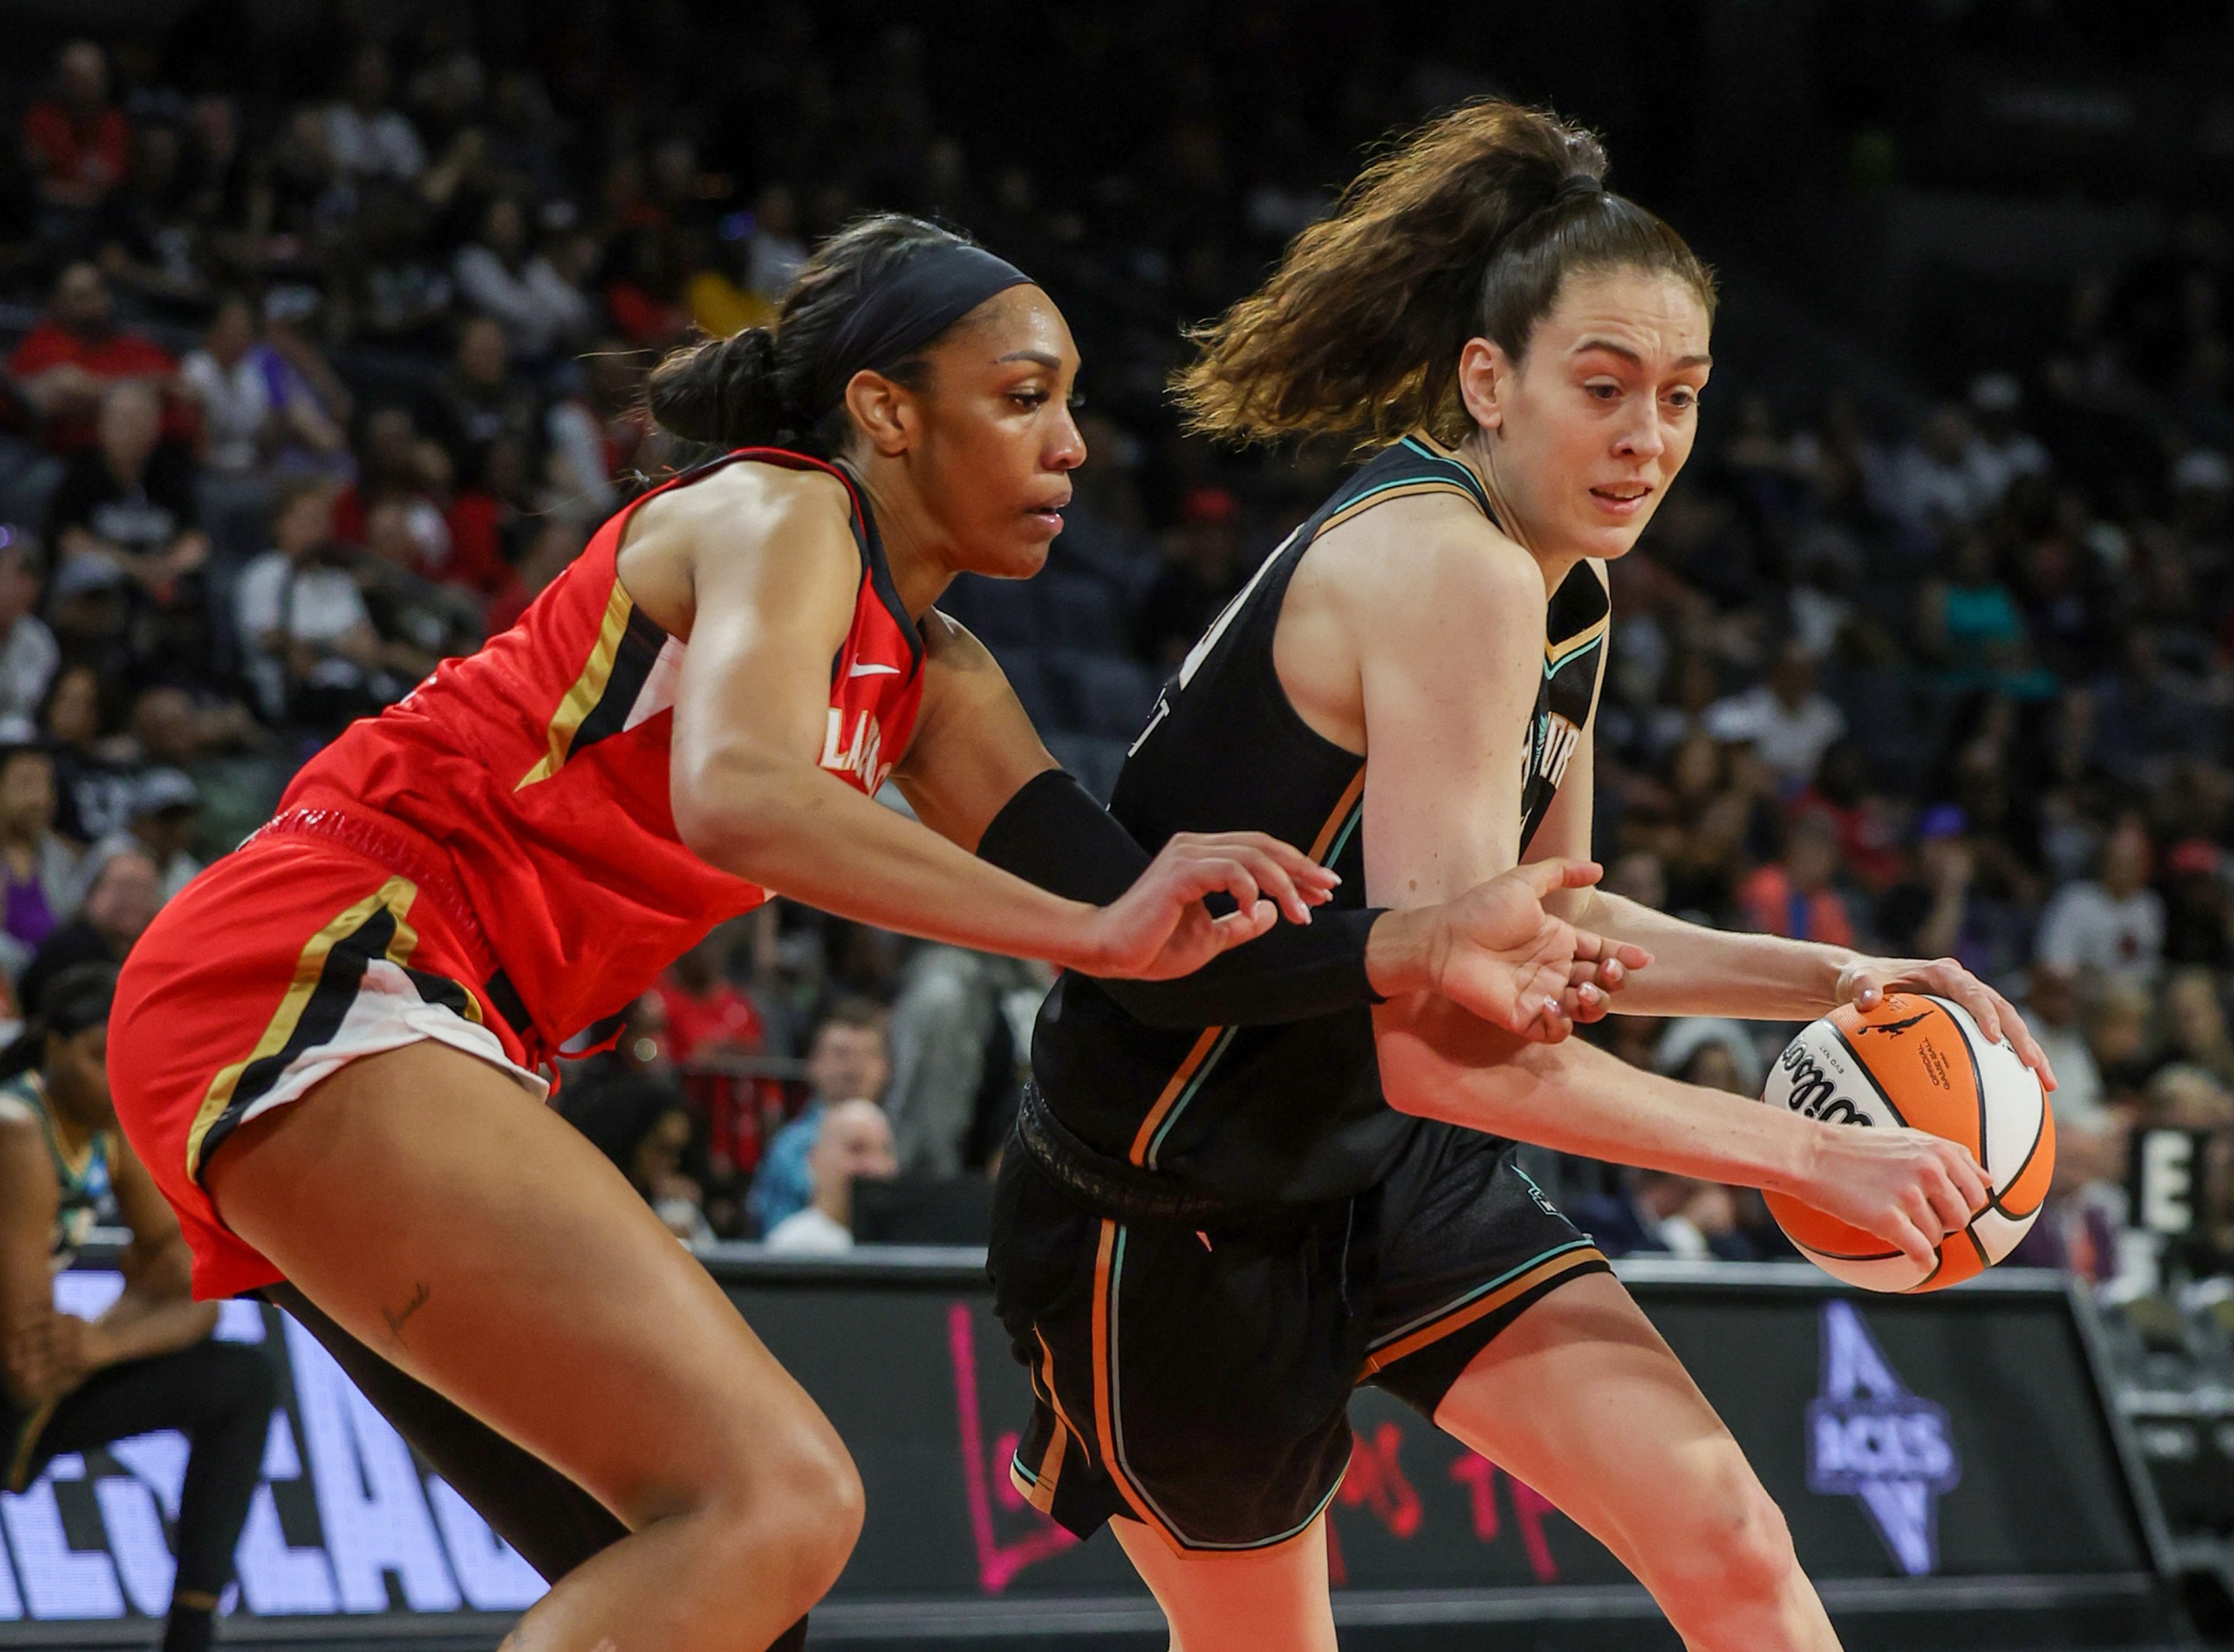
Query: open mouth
(1622, 499)
(1050, 514)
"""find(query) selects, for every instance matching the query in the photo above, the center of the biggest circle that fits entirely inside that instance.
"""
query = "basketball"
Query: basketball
(1920, 1061)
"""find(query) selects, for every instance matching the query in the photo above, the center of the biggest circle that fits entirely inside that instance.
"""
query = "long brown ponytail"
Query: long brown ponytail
(1465, 229)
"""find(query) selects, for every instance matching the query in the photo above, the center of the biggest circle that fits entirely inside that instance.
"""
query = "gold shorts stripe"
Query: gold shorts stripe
(396, 895)
(1459, 1318)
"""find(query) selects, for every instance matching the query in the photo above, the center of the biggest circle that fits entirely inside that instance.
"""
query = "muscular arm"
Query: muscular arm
(1696, 970)
(772, 575)
(1701, 972)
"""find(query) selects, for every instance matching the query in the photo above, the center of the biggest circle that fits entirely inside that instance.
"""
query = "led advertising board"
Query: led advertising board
(1944, 1449)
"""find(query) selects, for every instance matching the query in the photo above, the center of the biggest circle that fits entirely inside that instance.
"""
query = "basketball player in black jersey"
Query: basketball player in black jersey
(1207, 1235)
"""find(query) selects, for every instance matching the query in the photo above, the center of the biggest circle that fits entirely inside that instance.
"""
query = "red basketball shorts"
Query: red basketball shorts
(277, 967)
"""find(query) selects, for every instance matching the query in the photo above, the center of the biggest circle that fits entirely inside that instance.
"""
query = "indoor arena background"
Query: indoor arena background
(1932, 649)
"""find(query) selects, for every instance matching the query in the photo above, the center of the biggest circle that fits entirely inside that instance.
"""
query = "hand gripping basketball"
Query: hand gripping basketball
(1865, 980)
(1498, 954)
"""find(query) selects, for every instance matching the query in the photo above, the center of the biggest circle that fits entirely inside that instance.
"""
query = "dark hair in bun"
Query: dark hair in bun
(769, 386)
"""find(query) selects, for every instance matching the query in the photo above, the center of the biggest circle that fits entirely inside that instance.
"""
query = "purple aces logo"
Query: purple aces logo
(1869, 1438)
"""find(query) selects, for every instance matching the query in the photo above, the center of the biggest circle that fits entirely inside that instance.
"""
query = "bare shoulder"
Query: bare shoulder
(740, 524)
(1429, 560)
(23, 1167)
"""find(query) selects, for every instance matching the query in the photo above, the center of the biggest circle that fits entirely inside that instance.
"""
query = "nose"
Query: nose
(1067, 451)
(1642, 435)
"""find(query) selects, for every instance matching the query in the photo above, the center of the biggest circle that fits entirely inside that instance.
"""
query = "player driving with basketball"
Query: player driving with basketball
(1208, 1234)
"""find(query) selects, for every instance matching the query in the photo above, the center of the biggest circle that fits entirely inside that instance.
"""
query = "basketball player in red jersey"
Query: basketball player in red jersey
(329, 1049)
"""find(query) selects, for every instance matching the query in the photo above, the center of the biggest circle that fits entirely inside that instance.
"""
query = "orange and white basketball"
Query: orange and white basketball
(1921, 1062)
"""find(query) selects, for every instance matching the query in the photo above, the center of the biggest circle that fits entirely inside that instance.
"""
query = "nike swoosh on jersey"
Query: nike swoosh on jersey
(869, 669)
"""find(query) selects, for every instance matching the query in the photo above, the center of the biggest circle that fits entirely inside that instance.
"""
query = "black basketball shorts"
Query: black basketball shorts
(1199, 1381)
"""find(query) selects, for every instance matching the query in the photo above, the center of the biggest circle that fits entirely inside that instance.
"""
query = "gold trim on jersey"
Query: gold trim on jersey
(1565, 1261)
(396, 895)
(589, 688)
(1191, 1070)
(1410, 488)
(1558, 653)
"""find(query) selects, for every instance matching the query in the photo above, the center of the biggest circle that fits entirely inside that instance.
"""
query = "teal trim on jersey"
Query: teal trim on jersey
(1341, 838)
(1194, 1084)
(1016, 1467)
(1552, 667)
(1117, 1436)
(1453, 1306)
(1460, 472)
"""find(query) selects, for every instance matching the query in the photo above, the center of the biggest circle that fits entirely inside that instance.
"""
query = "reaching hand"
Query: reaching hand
(1867, 980)
(1160, 928)
(1497, 953)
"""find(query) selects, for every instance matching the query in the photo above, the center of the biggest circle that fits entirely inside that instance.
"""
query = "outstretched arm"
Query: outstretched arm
(1704, 971)
(980, 775)
(774, 573)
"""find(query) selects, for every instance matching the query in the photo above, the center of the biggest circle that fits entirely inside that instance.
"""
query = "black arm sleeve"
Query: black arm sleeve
(1054, 834)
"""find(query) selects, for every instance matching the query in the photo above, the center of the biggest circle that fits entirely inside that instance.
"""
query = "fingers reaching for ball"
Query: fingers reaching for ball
(1868, 980)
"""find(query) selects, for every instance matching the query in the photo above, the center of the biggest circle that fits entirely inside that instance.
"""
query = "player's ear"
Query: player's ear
(1484, 379)
(886, 412)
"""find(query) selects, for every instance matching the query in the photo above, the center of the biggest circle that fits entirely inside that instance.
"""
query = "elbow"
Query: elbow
(727, 813)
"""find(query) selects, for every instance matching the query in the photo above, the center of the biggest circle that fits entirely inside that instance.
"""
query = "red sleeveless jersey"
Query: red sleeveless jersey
(536, 771)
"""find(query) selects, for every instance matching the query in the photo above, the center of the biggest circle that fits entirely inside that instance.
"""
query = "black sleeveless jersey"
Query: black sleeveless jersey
(1293, 1113)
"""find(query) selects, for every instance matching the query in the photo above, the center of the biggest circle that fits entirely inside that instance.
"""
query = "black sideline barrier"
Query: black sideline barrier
(1952, 1473)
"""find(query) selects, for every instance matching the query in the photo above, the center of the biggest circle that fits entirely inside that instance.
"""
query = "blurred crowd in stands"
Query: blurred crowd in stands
(324, 355)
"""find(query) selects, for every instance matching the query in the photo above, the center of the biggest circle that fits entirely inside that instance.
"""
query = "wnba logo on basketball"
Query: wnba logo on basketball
(1870, 1439)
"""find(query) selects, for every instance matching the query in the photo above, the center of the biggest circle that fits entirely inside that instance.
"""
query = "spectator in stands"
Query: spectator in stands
(309, 646)
(953, 1053)
(1923, 916)
(640, 1122)
(38, 871)
(28, 653)
(366, 137)
(67, 363)
(1927, 485)
(854, 1142)
(255, 403)
(93, 789)
(165, 809)
(2112, 924)
(2198, 912)
(1967, 625)
(128, 503)
(419, 621)
(2120, 1037)
(396, 292)
(1793, 896)
(2051, 1010)
(777, 250)
(2001, 452)
(500, 276)
(710, 1021)
(77, 145)
(1202, 570)
(1658, 1213)
(122, 900)
(1785, 719)
(483, 401)
(2195, 1024)
(846, 1061)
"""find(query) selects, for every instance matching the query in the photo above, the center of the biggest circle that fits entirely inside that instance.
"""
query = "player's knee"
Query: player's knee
(802, 1511)
(1740, 1548)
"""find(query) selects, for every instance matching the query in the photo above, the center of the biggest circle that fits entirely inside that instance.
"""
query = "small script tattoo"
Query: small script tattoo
(396, 1317)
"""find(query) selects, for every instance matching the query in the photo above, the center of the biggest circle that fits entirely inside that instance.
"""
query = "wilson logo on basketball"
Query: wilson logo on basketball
(1814, 1093)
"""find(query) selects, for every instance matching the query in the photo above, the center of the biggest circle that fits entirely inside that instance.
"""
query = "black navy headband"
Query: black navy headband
(933, 287)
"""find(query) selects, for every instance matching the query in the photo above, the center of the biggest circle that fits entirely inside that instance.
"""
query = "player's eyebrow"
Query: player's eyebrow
(1631, 356)
(1051, 362)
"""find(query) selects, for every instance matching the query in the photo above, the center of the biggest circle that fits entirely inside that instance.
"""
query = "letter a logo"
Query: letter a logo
(1870, 1439)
